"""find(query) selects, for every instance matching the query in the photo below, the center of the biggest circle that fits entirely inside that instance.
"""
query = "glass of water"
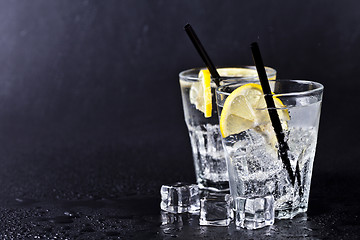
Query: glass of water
(257, 175)
(208, 153)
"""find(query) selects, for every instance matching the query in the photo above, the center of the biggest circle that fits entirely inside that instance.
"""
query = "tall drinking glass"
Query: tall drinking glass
(208, 153)
(257, 173)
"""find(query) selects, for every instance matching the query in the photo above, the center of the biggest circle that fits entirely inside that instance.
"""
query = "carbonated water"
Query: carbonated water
(257, 170)
(205, 137)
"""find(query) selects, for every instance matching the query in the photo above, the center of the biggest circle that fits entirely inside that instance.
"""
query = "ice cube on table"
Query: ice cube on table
(254, 212)
(180, 198)
(215, 209)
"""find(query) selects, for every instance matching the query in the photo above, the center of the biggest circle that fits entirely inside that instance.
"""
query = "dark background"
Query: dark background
(90, 103)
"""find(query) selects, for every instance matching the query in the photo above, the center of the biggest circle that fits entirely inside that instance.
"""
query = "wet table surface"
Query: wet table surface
(82, 190)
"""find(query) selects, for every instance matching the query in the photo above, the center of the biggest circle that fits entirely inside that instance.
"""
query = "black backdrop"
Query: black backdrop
(80, 79)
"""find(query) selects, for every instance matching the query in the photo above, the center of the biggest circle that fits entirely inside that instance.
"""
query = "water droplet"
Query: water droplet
(72, 214)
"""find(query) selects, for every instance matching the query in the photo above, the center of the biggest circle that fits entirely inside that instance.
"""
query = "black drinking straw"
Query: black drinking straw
(274, 117)
(201, 50)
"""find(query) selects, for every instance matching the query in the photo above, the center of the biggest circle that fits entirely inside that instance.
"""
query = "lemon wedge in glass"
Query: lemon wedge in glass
(200, 93)
(237, 72)
(245, 72)
(245, 108)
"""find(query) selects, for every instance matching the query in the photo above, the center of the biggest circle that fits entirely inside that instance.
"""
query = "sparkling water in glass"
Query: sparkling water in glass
(208, 152)
(255, 167)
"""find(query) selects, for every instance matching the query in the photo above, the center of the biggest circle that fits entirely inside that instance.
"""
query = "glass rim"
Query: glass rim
(318, 87)
(183, 74)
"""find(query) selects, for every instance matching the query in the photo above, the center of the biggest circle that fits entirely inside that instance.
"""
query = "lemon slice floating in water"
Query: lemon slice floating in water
(237, 72)
(245, 108)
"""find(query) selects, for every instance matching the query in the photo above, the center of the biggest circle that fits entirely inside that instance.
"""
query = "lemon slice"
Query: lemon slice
(241, 72)
(245, 108)
(237, 72)
(200, 93)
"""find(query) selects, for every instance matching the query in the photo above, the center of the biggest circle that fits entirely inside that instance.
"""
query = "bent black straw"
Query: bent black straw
(201, 50)
(274, 117)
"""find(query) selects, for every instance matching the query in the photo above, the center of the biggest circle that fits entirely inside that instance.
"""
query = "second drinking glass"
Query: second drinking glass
(264, 185)
(208, 153)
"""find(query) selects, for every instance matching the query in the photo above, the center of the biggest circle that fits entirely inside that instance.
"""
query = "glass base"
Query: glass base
(218, 223)
(222, 186)
(289, 213)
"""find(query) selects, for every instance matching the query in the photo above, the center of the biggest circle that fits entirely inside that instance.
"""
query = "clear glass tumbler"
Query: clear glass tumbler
(208, 153)
(256, 170)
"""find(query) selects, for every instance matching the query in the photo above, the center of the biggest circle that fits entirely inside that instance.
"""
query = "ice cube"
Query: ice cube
(215, 209)
(254, 212)
(180, 198)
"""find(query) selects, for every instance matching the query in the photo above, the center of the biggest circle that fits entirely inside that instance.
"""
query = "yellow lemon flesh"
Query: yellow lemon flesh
(200, 93)
(245, 108)
(241, 72)
(237, 72)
